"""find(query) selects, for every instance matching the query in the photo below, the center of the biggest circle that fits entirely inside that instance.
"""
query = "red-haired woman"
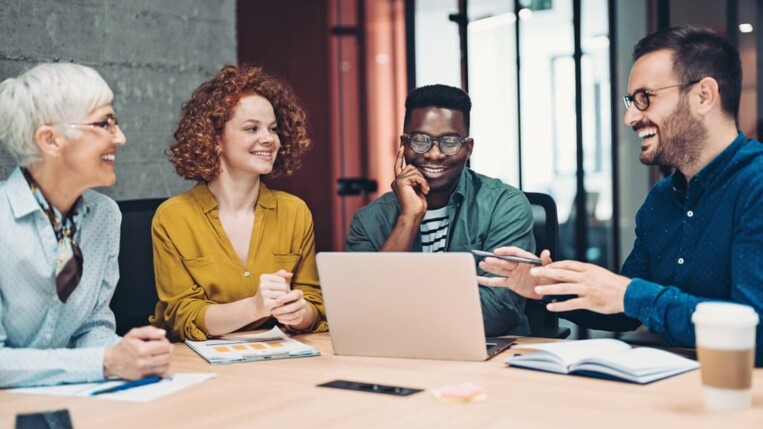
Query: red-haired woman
(231, 253)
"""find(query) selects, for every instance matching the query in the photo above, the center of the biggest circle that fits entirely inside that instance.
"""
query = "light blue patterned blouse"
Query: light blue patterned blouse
(42, 340)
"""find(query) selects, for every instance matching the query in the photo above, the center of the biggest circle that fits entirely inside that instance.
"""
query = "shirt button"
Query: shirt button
(680, 261)
(246, 273)
(690, 213)
(47, 337)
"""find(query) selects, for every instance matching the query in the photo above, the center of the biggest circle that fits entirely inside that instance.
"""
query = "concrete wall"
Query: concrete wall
(152, 54)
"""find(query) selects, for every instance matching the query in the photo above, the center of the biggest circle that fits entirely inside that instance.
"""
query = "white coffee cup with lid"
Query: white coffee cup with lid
(725, 335)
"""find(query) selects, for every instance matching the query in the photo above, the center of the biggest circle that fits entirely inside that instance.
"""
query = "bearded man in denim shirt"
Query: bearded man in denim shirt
(699, 234)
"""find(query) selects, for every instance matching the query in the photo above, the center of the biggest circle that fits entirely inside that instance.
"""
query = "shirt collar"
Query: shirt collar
(462, 189)
(707, 175)
(23, 202)
(207, 201)
(711, 171)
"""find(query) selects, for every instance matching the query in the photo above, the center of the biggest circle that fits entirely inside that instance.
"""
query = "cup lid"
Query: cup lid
(725, 313)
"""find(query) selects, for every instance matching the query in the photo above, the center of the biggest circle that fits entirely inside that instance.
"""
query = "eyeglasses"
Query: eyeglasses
(449, 145)
(640, 98)
(110, 124)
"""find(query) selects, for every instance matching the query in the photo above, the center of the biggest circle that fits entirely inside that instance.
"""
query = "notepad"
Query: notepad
(604, 358)
(270, 345)
(146, 393)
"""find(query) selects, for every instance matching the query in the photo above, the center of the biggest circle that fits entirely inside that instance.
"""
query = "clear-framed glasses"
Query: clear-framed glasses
(421, 143)
(640, 98)
(110, 124)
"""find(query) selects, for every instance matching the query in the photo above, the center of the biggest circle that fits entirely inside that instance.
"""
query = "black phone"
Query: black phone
(371, 387)
(56, 419)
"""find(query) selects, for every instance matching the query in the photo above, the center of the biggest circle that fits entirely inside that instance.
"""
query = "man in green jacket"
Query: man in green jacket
(438, 205)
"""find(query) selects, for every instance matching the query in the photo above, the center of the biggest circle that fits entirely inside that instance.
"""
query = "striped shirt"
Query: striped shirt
(434, 230)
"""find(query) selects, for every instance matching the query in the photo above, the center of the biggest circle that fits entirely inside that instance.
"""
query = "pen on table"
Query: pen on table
(508, 257)
(129, 385)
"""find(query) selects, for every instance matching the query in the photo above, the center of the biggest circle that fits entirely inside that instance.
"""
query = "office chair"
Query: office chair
(546, 232)
(135, 296)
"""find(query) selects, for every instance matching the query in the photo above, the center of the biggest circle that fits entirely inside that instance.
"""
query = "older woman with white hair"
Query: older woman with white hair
(60, 240)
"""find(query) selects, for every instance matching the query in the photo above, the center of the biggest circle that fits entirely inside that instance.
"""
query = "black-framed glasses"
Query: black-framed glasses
(110, 124)
(640, 98)
(421, 143)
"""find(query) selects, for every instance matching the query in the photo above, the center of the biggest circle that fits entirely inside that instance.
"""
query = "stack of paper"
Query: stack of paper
(270, 345)
(146, 393)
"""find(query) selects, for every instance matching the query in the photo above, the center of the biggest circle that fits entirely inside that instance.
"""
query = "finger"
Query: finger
(561, 289)
(284, 274)
(513, 251)
(290, 308)
(417, 180)
(291, 296)
(156, 348)
(569, 305)
(556, 275)
(275, 286)
(570, 265)
(158, 367)
(147, 333)
(274, 277)
(400, 161)
(492, 281)
(545, 257)
(498, 267)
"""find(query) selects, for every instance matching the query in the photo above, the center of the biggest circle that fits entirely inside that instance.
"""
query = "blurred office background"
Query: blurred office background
(546, 78)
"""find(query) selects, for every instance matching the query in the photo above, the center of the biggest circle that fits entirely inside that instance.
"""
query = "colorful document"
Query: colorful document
(144, 393)
(270, 345)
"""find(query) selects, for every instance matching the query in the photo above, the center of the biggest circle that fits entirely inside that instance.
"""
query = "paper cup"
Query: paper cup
(726, 349)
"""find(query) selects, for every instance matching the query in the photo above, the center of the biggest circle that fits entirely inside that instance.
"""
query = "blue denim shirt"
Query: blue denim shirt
(484, 214)
(697, 241)
(43, 340)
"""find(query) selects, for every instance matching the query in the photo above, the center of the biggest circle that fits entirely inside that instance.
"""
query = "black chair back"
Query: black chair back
(546, 232)
(135, 296)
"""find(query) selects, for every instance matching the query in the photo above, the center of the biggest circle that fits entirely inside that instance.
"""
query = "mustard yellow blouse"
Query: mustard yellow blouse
(196, 266)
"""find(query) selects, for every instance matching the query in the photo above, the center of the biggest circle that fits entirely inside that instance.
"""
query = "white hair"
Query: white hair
(48, 94)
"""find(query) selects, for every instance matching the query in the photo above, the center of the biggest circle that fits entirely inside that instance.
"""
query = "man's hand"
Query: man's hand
(513, 275)
(410, 188)
(597, 289)
(291, 309)
(272, 286)
(142, 352)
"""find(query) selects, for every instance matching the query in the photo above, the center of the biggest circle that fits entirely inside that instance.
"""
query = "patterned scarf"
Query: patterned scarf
(69, 256)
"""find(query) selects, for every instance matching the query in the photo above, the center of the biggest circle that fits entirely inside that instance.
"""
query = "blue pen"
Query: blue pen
(129, 385)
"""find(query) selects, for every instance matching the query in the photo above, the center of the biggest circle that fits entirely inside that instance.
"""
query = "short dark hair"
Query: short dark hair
(699, 53)
(442, 96)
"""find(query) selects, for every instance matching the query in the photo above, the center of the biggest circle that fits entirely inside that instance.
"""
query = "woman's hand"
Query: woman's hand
(272, 287)
(292, 310)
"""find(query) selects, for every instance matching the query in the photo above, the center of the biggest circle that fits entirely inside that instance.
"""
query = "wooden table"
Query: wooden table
(282, 394)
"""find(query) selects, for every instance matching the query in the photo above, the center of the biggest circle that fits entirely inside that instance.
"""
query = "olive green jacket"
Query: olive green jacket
(484, 214)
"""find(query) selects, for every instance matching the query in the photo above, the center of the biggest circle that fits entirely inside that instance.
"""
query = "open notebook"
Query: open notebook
(604, 358)
(270, 345)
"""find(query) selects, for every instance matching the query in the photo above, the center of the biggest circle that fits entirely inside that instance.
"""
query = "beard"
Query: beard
(680, 139)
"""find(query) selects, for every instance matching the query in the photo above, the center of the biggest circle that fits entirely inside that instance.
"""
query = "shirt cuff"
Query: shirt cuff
(92, 364)
(640, 298)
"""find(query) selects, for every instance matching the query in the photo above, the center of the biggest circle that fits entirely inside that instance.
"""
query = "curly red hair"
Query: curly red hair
(195, 152)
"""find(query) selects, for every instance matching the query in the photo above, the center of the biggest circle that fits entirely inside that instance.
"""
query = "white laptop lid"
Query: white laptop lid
(410, 305)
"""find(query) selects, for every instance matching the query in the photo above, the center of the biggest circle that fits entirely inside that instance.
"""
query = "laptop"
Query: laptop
(405, 305)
